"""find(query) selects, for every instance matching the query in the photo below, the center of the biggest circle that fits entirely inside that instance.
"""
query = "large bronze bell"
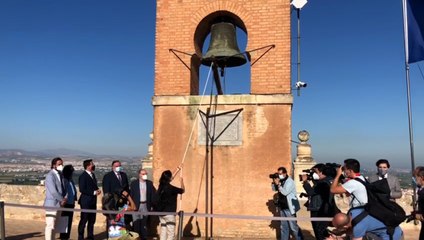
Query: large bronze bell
(223, 49)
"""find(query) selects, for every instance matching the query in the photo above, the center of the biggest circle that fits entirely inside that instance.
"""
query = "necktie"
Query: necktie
(119, 178)
(63, 185)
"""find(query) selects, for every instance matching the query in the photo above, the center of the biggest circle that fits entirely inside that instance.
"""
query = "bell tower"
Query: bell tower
(227, 174)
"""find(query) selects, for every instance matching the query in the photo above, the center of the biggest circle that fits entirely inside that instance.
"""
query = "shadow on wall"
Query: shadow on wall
(188, 229)
(272, 208)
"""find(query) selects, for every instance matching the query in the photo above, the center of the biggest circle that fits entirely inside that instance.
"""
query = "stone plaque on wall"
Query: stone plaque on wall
(231, 131)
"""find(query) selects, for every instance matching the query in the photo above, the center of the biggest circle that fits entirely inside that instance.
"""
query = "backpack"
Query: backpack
(330, 206)
(380, 206)
(112, 202)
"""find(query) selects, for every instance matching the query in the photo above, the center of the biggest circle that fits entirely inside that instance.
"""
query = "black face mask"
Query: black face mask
(93, 168)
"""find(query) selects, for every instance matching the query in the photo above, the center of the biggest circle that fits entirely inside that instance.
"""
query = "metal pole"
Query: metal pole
(298, 44)
(2, 222)
(211, 170)
(180, 224)
(208, 110)
(411, 132)
(408, 95)
(298, 49)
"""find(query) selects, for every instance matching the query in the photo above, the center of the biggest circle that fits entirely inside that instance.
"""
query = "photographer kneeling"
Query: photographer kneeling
(320, 201)
(288, 204)
(118, 228)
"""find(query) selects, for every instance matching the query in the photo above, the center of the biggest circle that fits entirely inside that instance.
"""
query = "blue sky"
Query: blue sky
(79, 74)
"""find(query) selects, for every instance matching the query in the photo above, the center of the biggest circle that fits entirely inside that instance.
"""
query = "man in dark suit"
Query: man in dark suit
(383, 172)
(116, 180)
(88, 199)
(142, 192)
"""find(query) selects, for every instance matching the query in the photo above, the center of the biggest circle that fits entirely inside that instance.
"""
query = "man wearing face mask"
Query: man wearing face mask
(288, 205)
(320, 201)
(142, 192)
(383, 172)
(55, 196)
(88, 200)
(116, 180)
(354, 189)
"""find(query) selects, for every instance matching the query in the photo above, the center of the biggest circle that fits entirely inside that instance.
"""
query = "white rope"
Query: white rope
(179, 168)
(197, 115)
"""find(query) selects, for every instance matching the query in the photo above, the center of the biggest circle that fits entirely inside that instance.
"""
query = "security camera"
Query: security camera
(300, 84)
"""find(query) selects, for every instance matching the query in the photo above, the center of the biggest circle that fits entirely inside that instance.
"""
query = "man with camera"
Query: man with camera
(320, 201)
(288, 204)
(358, 228)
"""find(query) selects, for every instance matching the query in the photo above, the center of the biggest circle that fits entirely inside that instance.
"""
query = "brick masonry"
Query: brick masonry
(240, 173)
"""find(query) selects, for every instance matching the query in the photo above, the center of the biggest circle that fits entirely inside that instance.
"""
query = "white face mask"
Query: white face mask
(281, 176)
(382, 172)
(315, 176)
(118, 169)
(59, 168)
(144, 177)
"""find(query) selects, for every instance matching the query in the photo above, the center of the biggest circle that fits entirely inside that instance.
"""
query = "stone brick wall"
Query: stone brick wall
(180, 24)
(240, 173)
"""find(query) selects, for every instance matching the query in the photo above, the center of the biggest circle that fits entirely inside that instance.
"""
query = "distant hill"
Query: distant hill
(61, 152)
(66, 152)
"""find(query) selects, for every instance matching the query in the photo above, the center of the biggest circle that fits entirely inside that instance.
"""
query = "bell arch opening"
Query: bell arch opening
(234, 79)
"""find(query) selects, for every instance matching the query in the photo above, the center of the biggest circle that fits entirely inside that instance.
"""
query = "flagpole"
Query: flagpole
(408, 95)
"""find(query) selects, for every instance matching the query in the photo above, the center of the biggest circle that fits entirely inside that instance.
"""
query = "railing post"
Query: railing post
(180, 224)
(2, 223)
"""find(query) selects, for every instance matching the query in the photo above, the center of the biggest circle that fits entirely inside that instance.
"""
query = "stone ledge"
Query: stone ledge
(242, 99)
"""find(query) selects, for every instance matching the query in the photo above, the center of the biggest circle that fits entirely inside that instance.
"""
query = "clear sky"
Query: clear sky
(79, 75)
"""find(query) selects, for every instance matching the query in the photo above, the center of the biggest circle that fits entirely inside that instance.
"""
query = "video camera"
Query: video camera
(308, 173)
(328, 169)
(274, 175)
(333, 165)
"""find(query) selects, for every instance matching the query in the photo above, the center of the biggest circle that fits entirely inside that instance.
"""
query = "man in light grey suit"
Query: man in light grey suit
(383, 172)
(55, 196)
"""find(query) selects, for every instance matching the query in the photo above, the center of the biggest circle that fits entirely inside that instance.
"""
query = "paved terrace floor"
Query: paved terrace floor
(31, 229)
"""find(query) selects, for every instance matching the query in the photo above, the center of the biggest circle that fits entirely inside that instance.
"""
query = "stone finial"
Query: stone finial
(303, 136)
(304, 150)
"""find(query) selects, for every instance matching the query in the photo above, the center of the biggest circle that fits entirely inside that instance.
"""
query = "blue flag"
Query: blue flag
(415, 13)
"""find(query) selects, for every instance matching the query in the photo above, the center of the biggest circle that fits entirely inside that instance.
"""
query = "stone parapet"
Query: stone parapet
(33, 195)
(223, 99)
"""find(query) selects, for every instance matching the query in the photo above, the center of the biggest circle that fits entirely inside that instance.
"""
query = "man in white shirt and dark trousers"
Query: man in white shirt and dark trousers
(358, 199)
(142, 192)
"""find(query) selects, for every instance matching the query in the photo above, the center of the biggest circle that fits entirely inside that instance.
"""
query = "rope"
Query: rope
(197, 116)
(179, 168)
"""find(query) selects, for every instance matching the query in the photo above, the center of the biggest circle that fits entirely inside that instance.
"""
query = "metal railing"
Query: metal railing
(180, 214)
